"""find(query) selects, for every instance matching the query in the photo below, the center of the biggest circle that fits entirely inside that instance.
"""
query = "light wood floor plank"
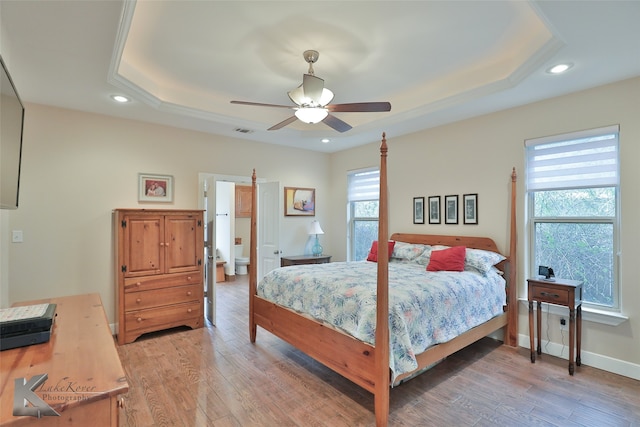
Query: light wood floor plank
(214, 376)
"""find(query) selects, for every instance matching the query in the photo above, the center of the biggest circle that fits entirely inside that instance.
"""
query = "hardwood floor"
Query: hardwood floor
(214, 376)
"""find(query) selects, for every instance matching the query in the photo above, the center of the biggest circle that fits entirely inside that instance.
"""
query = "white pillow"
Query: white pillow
(403, 251)
(481, 261)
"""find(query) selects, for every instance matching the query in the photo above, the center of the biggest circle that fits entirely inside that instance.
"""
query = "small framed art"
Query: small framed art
(434, 210)
(299, 201)
(470, 202)
(451, 209)
(155, 188)
(418, 210)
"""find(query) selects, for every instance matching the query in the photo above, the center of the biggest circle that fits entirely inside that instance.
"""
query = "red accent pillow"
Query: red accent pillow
(373, 252)
(451, 259)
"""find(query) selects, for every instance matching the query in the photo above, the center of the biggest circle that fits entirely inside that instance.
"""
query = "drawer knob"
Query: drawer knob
(138, 284)
(189, 311)
(121, 403)
(189, 293)
(188, 277)
(138, 300)
(139, 319)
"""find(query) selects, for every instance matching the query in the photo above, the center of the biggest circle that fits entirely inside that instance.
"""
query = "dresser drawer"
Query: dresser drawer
(549, 294)
(137, 284)
(165, 317)
(164, 296)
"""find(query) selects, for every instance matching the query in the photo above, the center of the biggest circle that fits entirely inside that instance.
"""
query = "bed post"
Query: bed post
(253, 260)
(511, 338)
(381, 396)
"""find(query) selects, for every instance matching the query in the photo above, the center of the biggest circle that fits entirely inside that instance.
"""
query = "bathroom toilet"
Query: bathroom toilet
(241, 262)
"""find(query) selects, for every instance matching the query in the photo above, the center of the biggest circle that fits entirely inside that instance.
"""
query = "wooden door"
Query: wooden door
(243, 201)
(183, 243)
(143, 245)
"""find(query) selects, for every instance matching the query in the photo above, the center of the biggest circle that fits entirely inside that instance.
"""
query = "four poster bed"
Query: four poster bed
(377, 357)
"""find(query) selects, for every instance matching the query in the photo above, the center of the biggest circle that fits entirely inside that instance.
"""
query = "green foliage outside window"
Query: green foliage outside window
(574, 234)
(364, 228)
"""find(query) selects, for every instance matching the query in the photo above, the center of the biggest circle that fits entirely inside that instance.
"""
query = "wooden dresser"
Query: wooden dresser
(159, 270)
(84, 375)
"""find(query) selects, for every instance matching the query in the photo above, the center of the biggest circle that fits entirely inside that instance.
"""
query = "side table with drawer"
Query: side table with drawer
(567, 293)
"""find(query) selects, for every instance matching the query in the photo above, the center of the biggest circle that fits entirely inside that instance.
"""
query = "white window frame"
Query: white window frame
(360, 190)
(577, 175)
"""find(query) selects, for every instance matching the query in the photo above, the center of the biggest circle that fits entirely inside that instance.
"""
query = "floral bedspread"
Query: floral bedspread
(425, 308)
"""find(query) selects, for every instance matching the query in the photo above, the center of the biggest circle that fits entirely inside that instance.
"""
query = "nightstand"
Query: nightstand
(286, 261)
(567, 293)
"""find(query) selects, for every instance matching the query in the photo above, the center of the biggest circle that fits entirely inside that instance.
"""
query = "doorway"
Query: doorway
(217, 199)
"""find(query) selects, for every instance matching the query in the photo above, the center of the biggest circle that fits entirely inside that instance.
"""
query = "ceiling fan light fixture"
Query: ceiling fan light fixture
(297, 95)
(311, 115)
(326, 97)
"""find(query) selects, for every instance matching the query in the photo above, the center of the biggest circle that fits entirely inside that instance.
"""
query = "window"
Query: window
(573, 192)
(362, 194)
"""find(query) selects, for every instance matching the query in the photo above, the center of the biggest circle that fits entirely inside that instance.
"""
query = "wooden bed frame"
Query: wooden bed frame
(362, 363)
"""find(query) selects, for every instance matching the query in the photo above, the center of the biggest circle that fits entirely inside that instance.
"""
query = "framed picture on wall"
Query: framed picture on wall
(451, 209)
(418, 210)
(434, 210)
(470, 202)
(299, 201)
(155, 188)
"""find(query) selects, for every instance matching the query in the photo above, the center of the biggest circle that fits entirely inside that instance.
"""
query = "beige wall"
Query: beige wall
(79, 166)
(477, 156)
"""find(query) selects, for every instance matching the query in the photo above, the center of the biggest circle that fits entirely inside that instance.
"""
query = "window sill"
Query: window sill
(588, 313)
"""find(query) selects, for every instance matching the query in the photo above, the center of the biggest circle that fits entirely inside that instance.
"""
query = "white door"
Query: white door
(268, 227)
(208, 203)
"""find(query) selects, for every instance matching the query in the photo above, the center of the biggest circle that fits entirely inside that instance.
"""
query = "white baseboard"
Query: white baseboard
(595, 360)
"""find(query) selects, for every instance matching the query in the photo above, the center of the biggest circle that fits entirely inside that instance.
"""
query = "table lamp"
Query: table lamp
(315, 228)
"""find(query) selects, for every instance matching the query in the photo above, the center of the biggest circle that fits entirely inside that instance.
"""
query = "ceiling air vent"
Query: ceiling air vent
(243, 130)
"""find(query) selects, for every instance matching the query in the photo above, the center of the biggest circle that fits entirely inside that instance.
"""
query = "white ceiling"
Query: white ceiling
(436, 62)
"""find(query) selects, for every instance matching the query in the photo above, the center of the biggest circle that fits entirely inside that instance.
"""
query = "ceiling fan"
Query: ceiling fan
(312, 102)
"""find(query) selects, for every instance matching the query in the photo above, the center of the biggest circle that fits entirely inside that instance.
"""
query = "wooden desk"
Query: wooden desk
(286, 261)
(563, 292)
(85, 376)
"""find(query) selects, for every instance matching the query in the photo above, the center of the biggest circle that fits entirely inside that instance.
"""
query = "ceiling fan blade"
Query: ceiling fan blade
(365, 107)
(258, 104)
(312, 87)
(336, 123)
(283, 123)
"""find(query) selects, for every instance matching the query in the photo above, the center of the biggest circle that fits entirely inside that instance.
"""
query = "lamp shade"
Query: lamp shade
(311, 114)
(315, 228)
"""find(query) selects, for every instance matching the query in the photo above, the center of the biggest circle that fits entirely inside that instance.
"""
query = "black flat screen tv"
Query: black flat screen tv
(11, 126)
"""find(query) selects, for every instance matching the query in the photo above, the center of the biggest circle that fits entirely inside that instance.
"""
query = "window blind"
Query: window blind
(363, 185)
(575, 160)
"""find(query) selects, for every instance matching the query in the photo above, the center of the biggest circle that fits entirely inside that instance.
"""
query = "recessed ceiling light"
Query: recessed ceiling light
(559, 69)
(120, 98)
(325, 140)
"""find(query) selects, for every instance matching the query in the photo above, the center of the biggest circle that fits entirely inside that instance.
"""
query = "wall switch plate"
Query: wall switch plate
(16, 236)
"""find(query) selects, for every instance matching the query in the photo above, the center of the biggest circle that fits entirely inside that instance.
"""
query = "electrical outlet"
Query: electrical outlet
(564, 326)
